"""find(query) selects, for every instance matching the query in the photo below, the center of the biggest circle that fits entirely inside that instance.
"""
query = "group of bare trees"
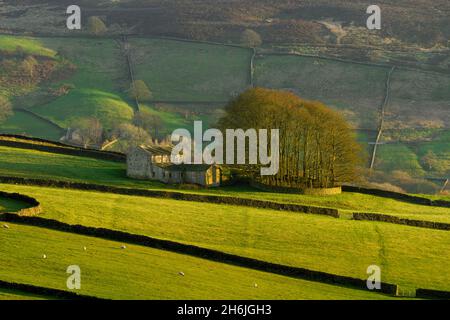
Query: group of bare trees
(317, 146)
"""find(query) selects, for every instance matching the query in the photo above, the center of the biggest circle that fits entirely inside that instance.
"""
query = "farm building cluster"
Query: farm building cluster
(153, 163)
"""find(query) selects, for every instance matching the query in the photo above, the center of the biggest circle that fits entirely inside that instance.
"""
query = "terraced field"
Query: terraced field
(142, 273)
(182, 71)
(341, 247)
(44, 165)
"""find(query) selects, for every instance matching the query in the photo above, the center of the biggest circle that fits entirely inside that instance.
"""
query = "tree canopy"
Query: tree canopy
(251, 38)
(317, 146)
(96, 25)
(140, 91)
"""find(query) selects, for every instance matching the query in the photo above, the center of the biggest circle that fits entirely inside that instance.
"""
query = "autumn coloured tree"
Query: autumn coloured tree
(140, 91)
(96, 26)
(317, 146)
(251, 38)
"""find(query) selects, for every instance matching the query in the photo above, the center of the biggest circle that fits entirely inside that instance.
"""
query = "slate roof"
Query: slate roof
(157, 150)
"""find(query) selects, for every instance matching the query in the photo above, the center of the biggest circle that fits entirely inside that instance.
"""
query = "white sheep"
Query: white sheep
(181, 273)
(123, 247)
(5, 226)
(44, 256)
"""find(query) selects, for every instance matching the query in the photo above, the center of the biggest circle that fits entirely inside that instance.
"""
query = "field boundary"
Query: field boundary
(105, 155)
(382, 114)
(199, 252)
(35, 207)
(46, 292)
(35, 115)
(212, 199)
(62, 149)
(398, 196)
(172, 195)
(396, 220)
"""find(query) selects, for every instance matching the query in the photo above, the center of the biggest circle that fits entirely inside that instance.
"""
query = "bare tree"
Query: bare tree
(5, 109)
(90, 131)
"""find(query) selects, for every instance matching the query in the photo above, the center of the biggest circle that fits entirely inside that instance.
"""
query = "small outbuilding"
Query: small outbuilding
(153, 163)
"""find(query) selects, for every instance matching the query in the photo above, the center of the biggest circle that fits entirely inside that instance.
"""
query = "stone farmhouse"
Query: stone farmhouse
(153, 163)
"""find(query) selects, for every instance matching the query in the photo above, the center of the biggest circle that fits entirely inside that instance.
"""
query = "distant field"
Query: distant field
(143, 273)
(336, 246)
(392, 157)
(181, 71)
(356, 90)
(97, 91)
(418, 99)
(36, 164)
(24, 123)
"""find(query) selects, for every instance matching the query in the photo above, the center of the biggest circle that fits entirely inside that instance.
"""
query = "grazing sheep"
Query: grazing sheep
(181, 273)
(256, 285)
(5, 226)
(84, 248)
(123, 247)
(44, 256)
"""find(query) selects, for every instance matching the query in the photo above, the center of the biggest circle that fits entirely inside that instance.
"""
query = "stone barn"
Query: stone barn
(153, 163)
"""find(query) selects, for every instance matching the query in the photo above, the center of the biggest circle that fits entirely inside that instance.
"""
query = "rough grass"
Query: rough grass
(36, 164)
(398, 156)
(355, 89)
(143, 273)
(97, 92)
(180, 71)
(409, 256)
(418, 99)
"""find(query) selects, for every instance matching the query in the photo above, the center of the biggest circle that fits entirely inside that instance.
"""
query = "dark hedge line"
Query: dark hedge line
(209, 254)
(397, 220)
(174, 195)
(49, 292)
(60, 148)
(398, 196)
(34, 205)
(432, 294)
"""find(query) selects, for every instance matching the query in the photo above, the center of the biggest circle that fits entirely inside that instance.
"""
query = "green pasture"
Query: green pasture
(183, 71)
(337, 246)
(356, 90)
(36, 164)
(25, 124)
(99, 83)
(136, 272)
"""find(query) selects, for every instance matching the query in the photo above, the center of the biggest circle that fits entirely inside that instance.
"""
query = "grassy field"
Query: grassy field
(36, 164)
(418, 99)
(392, 157)
(356, 90)
(9, 205)
(97, 91)
(180, 71)
(143, 273)
(337, 246)
(25, 124)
